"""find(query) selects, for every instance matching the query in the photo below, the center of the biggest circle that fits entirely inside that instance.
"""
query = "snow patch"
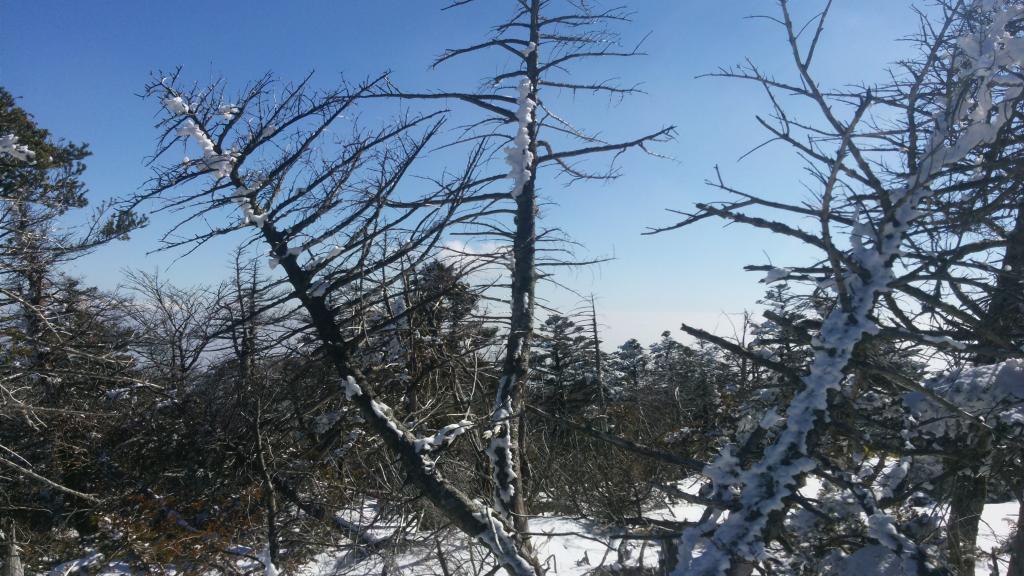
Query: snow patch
(518, 155)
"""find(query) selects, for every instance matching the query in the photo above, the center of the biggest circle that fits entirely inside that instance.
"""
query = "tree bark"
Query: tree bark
(269, 501)
(465, 514)
(510, 395)
(598, 376)
(970, 490)
(1017, 545)
(1010, 299)
(12, 561)
(1006, 307)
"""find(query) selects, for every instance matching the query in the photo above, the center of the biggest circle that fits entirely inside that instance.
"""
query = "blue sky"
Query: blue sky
(78, 67)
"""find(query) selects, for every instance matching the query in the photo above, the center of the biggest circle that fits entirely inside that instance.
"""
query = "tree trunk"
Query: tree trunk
(1006, 307)
(12, 562)
(1017, 544)
(464, 513)
(970, 489)
(505, 449)
(1006, 318)
(598, 376)
(270, 504)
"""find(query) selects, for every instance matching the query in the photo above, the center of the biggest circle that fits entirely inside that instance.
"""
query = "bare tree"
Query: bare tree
(546, 39)
(890, 284)
(332, 215)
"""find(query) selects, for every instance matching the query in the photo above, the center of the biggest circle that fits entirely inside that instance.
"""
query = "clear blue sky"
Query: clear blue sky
(78, 65)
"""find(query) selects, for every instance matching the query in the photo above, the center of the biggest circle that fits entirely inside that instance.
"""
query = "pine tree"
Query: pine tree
(564, 367)
(61, 345)
(630, 360)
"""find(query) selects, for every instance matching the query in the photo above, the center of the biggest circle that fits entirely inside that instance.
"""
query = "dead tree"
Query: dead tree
(545, 38)
(589, 314)
(333, 217)
(12, 557)
(904, 275)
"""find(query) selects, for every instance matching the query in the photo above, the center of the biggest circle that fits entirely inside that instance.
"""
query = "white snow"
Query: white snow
(443, 436)
(220, 164)
(268, 567)
(227, 111)
(565, 546)
(947, 341)
(9, 146)
(776, 274)
(258, 220)
(328, 256)
(518, 155)
(319, 289)
(176, 105)
(994, 530)
(874, 560)
(995, 392)
(770, 419)
(768, 482)
(351, 388)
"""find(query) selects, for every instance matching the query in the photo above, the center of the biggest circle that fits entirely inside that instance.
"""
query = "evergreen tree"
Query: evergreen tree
(630, 361)
(564, 366)
(61, 345)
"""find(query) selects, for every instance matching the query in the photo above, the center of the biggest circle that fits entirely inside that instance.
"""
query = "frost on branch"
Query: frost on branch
(986, 64)
(946, 341)
(518, 155)
(500, 451)
(776, 274)
(176, 105)
(249, 216)
(501, 542)
(220, 164)
(444, 436)
(298, 190)
(995, 392)
(228, 111)
(352, 389)
(9, 147)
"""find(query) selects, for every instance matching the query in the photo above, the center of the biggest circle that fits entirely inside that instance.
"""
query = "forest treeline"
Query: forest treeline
(377, 372)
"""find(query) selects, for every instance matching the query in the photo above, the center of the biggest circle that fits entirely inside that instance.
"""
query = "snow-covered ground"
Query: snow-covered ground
(997, 521)
(569, 548)
(566, 546)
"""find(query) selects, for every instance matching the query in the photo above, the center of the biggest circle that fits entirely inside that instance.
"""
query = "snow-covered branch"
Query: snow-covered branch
(9, 147)
(975, 111)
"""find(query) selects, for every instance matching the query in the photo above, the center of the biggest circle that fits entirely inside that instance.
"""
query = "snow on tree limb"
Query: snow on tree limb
(252, 190)
(519, 156)
(9, 147)
(982, 104)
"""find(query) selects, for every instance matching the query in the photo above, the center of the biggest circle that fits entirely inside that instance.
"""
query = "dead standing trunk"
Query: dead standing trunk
(510, 397)
(564, 42)
(269, 502)
(457, 506)
(12, 560)
(598, 375)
